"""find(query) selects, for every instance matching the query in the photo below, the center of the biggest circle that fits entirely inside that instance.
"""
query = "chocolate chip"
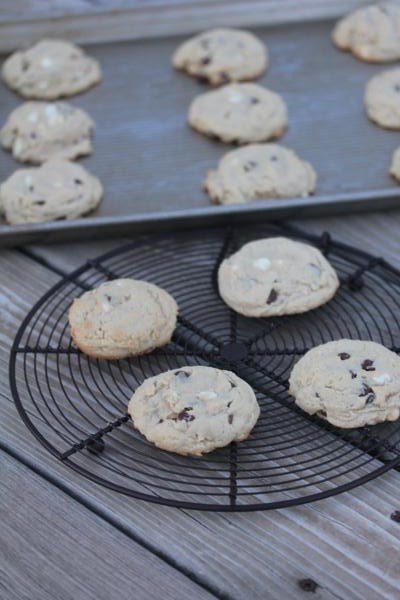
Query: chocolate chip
(365, 390)
(367, 365)
(317, 395)
(343, 355)
(249, 166)
(224, 77)
(40, 202)
(229, 403)
(25, 65)
(273, 295)
(230, 419)
(308, 585)
(353, 375)
(254, 100)
(185, 416)
(160, 421)
(202, 80)
(109, 298)
(369, 399)
(78, 181)
(233, 385)
(322, 413)
(182, 374)
(31, 188)
(395, 516)
(206, 60)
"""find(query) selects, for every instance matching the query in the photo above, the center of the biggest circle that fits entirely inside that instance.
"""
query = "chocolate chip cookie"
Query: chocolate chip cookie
(222, 55)
(193, 410)
(50, 69)
(259, 171)
(276, 276)
(240, 113)
(350, 383)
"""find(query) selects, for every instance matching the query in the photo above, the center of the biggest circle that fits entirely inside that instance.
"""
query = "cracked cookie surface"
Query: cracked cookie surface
(38, 131)
(371, 33)
(350, 383)
(50, 69)
(194, 409)
(259, 171)
(122, 317)
(222, 55)
(239, 113)
(276, 276)
(56, 190)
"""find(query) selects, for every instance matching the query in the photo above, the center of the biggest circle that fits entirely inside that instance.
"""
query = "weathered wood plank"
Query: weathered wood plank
(342, 543)
(122, 20)
(53, 547)
(377, 233)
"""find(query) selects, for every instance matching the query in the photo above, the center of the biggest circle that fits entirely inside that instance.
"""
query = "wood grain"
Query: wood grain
(103, 20)
(342, 543)
(53, 547)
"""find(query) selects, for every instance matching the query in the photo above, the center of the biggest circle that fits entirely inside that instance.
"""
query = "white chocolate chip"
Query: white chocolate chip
(46, 62)
(315, 270)
(262, 263)
(235, 97)
(18, 147)
(52, 113)
(382, 379)
(208, 395)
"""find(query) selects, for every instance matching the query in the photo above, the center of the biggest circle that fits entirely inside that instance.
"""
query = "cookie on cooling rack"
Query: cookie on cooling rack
(240, 113)
(123, 317)
(58, 189)
(50, 69)
(382, 99)
(193, 410)
(350, 383)
(37, 131)
(371, 33)
(259, 171)
(222, 55)
(276, 276)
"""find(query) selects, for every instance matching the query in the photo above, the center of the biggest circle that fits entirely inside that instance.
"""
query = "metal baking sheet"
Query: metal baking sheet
(152, 164)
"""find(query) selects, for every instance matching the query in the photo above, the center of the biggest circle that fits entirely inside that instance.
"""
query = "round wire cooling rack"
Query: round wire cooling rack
(76, 405)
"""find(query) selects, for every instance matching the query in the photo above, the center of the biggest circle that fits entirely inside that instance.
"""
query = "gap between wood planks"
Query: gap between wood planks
(87, 504)
(75, 495)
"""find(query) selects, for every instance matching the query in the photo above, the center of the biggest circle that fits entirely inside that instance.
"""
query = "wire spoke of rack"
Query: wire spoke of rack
(76, 405)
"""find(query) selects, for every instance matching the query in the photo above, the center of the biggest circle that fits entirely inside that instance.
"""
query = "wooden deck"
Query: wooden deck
(66, 538)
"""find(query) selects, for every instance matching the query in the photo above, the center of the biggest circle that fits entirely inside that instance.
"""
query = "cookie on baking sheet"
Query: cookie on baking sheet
(382, 98)
(193, 410)
(259, 171)
(371, 33)
(123, 317)
(56, 190)
(222, 55)
(37, 131)
(240, 113)
(276, 276)
(50, 69)
(350, 383)
(395, 165)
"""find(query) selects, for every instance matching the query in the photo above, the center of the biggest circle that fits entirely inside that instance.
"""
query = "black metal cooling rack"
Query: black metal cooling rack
(76, 405)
